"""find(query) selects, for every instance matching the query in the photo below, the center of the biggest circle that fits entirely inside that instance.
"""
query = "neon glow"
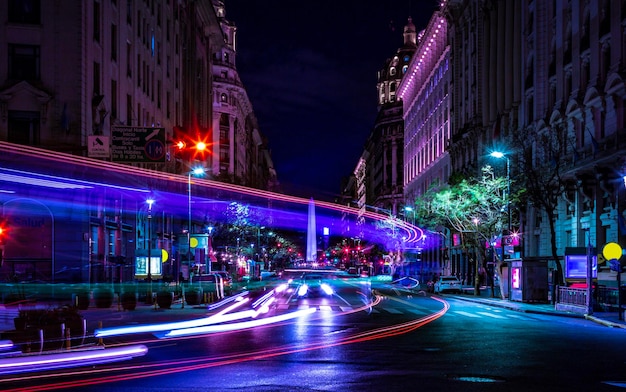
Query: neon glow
(515, 278)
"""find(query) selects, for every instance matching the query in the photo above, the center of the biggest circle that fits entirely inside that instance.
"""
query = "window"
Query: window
(24, 62)
(113, 42)
(113, 98)
(96, 21)
(129, 66)
(129, 12)
(224, 97)
(25, 11)
(23, 127)
(129, 110)
(96, 78)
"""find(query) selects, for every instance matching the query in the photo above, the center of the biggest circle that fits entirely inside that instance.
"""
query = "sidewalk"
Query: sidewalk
(609, 319)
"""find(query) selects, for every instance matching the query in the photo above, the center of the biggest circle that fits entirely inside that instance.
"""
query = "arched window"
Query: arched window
(224, 97)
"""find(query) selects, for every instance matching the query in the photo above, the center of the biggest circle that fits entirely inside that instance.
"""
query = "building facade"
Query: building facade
(551, 72)
(122, 82)
(425, 93)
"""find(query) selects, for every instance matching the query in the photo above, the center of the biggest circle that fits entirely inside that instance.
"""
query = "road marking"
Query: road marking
(491, 315)
(462, 313)
(326, 308)
(517, 316)
(417, 311)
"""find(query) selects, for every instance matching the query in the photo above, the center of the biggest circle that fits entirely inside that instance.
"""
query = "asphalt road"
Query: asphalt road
(405, 342)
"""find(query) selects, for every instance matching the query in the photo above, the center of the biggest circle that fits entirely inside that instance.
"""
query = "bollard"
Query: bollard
(68, 341)
(100, 340)
(182, 295)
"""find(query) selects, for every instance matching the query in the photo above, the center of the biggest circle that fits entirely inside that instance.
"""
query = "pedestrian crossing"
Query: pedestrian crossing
(411, 311)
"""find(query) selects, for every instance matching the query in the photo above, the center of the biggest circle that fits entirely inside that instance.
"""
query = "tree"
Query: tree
(475, 208)
(543, 157)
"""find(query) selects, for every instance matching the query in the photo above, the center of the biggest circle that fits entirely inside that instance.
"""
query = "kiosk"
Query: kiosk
(528, 280)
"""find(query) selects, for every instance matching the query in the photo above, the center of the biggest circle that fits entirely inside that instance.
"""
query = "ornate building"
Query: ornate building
(121, 82)
(551, 72)
(240, 152)
(426, 98)
(378, 174)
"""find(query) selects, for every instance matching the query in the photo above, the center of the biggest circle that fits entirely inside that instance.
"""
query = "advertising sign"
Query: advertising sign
(138, 144)
(141, 263)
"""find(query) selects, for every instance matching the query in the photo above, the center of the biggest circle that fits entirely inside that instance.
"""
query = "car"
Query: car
(448, 283)
(313, 285)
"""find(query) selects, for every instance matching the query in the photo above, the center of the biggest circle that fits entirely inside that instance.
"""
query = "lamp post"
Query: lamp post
(499, 155)
(197, 172)
(148, 266)
(586, 227)
(411, 209)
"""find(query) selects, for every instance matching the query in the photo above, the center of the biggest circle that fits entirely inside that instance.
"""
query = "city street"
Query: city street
(401, 343)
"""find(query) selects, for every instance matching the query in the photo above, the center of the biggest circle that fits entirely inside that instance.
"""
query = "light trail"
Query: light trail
(54, 361)
(410, 232)
(180, 366)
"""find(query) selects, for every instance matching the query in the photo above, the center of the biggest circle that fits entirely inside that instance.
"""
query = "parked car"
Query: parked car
(448, 283)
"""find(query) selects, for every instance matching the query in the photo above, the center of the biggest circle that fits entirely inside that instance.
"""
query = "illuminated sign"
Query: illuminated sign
(516, 277)
(141, 263)
(576, 266)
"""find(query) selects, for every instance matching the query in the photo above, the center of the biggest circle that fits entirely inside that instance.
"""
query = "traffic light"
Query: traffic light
(180, 145)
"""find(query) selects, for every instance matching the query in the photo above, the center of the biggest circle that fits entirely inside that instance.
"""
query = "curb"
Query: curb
(606, 323)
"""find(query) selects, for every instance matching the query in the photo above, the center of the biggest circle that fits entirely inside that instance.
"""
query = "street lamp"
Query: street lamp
(500, 155)
(411, 209)
(149, 273)
(196, 172)
(586, 227)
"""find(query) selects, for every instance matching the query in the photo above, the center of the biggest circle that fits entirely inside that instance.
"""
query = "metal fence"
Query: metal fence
(571, 296)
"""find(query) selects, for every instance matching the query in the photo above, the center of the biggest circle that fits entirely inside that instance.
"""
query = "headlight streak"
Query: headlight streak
(152, 328)
(241, 325)
(71, 358)
(179, 367)
(226, 300)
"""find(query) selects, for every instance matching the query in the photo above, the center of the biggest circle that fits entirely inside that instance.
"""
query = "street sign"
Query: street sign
(138, 144)
(614, 265)
(98, 146)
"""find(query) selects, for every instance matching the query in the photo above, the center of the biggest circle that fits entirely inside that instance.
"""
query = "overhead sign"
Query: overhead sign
(138, 144)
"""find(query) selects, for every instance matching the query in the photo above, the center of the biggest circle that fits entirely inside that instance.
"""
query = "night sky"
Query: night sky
(309, 68)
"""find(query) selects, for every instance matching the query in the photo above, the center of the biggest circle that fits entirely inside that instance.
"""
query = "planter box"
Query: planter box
(165, 299)
(128, 300)
(103, 298)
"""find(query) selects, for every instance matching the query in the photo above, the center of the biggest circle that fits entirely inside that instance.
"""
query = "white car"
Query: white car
(448, 283)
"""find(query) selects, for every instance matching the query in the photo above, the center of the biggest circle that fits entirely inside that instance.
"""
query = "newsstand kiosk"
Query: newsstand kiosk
(528, 280)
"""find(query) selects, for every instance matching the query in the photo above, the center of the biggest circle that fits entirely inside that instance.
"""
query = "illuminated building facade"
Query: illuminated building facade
(551, 70)
(425, 95)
